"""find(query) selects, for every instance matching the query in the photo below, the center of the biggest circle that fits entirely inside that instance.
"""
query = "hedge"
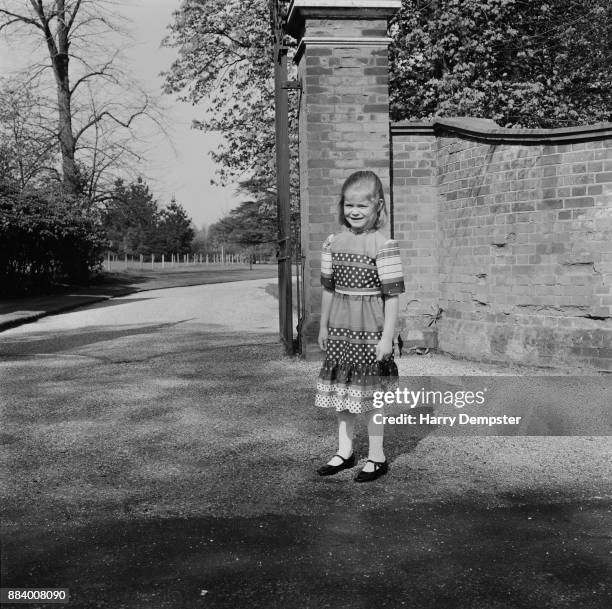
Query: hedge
(46, 239)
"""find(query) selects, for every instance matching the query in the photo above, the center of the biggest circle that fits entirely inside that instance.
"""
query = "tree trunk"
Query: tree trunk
(58, 52)
(70, 178)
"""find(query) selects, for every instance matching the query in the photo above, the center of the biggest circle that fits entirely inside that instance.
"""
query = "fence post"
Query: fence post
(163, 261)
(152, 261)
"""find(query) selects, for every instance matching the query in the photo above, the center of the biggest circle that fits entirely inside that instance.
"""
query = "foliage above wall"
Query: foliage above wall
(520, 63)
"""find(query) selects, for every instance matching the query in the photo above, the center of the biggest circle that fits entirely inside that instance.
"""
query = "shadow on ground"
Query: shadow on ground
(428, 556)
(177, 277)
(46, 343)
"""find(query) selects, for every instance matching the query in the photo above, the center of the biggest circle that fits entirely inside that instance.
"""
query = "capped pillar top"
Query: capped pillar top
(300, 10)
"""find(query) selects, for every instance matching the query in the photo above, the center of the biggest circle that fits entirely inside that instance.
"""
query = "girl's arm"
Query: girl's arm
(385, 346)
(326, 300)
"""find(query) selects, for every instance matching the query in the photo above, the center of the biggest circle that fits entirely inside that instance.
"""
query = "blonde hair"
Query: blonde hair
(370, 179)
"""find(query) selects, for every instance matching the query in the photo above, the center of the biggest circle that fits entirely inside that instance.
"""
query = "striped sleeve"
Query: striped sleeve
(327, 276)
(390, 272)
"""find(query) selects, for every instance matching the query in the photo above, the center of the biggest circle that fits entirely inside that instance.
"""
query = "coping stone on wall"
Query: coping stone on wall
(299, 10)
(489, 131)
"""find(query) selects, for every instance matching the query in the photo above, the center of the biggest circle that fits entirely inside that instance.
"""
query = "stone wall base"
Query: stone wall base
(546, 345)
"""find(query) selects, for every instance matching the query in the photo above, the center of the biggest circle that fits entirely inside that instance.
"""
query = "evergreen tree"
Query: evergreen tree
(136, 225)
(249, 227)
(174, 230)
(131, 219)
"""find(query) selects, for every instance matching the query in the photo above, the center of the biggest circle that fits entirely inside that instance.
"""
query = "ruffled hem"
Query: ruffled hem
(347, 386)
(333, 370)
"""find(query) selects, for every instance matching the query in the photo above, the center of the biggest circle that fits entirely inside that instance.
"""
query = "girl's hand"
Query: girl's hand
(384, 349)
(323, 334)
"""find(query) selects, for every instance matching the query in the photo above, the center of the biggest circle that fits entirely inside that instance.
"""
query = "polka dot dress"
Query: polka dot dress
(361, 269)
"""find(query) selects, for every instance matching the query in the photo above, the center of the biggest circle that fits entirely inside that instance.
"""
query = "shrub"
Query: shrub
(46, 239)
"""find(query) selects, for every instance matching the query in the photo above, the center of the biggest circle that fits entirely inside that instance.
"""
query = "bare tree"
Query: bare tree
(27, 145)
(96, 103)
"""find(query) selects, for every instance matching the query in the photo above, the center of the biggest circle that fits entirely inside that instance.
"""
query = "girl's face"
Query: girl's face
(360, 209)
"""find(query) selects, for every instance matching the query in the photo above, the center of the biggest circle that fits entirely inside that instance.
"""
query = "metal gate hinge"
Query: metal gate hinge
(292, 84)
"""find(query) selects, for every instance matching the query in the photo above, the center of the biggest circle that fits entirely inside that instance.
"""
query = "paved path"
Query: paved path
(18, 311)
(242, 306)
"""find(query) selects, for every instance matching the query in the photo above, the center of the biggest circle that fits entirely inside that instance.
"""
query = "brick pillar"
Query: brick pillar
(344, 118)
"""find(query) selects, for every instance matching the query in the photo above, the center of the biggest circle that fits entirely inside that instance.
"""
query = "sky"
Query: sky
(182, 168)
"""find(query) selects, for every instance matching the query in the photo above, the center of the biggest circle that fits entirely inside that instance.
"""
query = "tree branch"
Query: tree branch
(44, 25)
(17, 18)
(74, 14)
(98, 117)
(101, 72)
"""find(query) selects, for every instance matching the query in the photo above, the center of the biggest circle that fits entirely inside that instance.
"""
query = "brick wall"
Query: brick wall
(415, 226)
(510, 237)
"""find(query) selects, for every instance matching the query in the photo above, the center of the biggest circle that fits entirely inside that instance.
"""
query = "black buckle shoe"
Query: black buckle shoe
(380, 469)
(330, 470)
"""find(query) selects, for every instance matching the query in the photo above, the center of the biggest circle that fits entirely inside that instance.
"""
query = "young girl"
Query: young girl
(361, 275)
